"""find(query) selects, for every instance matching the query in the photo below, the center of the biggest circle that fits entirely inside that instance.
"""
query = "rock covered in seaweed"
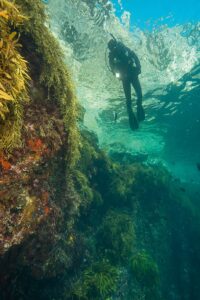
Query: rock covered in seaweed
(36, 191)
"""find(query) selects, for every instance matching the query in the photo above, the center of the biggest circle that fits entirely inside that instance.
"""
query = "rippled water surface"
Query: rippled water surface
(170, 80)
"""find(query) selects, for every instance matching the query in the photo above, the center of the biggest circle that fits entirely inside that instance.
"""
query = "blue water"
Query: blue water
(148, 13)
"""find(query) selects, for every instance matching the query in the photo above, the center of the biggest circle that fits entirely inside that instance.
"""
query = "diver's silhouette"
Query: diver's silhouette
(125, 64)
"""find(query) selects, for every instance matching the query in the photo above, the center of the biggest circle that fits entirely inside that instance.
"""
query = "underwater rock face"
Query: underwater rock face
(37, 199)
(27, 203)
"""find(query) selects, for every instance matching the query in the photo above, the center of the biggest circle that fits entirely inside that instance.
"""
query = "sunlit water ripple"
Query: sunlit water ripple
(170, 80)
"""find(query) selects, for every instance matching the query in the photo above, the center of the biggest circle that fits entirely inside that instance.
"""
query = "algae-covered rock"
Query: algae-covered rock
(39, 144)
(117, 236)
(47, 66)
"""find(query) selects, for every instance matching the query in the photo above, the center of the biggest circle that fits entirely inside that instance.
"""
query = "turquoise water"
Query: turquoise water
(150, 14)
(170, 77)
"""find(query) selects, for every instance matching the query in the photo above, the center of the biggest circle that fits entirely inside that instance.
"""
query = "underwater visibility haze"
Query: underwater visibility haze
(91, 208)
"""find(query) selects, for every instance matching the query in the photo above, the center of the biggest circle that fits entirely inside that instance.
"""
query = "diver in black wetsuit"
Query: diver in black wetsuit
(125, 64)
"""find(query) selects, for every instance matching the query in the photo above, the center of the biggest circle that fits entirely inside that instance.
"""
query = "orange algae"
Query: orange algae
(5, 164)
(36, 145)
(47, 210)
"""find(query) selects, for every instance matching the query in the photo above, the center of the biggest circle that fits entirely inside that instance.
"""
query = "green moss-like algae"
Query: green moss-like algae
(53, 72)
(117, 236)
(99, 281)
(146, 272)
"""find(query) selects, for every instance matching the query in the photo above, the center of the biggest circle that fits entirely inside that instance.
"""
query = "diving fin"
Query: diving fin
(140, 113)
(133, 122)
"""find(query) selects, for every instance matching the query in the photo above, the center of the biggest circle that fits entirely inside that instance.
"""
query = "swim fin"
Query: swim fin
(140, 113)
(133, 122)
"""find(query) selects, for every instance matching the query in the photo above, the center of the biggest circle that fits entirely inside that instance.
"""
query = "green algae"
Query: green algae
(116, 236)
(52, 71)
(99, 281)
(145, 269)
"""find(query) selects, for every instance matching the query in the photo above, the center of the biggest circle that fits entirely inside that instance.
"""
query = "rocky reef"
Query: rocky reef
(38, 145)
(74, 223)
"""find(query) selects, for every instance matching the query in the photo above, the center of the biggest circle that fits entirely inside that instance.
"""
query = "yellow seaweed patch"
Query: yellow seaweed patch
(13, 76)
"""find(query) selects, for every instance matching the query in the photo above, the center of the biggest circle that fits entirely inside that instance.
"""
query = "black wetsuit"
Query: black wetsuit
(124, 61)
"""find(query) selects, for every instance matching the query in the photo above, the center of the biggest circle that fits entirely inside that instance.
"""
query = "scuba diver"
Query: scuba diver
(125, 65)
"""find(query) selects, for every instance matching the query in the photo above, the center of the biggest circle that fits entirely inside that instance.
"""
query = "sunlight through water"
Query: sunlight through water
(170, 81)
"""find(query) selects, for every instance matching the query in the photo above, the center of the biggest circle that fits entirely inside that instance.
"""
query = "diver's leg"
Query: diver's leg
(138, 90)
(127, 91)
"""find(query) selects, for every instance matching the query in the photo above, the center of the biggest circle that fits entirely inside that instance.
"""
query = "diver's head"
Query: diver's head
(112, 44)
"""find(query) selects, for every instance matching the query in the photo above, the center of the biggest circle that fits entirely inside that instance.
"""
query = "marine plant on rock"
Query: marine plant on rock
(99, 281)
(116, 236)
(145, 270)
(34, 201)
(52, 72)
(13, 76)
